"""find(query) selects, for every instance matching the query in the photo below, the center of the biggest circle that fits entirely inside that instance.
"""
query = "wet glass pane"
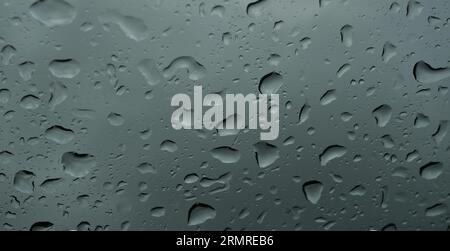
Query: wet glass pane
(88, 139)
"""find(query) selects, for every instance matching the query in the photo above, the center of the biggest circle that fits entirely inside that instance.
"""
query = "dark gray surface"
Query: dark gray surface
(110, 154)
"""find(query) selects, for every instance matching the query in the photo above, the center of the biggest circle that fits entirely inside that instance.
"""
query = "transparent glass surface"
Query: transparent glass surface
(86, 141)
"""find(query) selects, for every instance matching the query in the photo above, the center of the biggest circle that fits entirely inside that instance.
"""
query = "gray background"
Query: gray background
(254, 198)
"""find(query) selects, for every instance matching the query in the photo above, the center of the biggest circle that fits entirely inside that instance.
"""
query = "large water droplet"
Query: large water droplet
(145, 168)
(313, 191)
(24, 181)
(226, 154)
(133, 27)
(42, 226)
(53, 12)
(200, 213)
(382, 115)
(195, 70)
(421, 121)
(266, 154)
(270, 83)
(431, 170)
(115, 119)
(78, 165)
(331, 153)
(346, 35)
(343, 69)
(158, 212)
(424, 73)
(30, 102)
(256, 8)
(148, 69)
(59, 135)
(64, 68)
(441, 132)
(169, 146)
(436, 210)
(413, 9)
(53, 185)
(328, 97)
(389, 51)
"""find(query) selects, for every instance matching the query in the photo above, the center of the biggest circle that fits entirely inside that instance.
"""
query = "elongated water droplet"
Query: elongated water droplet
(24, 181)
(199, 213)
(270, 83)
(64, 68)
(133, 27)
(226, 154)
(431, 170)
(53, 12)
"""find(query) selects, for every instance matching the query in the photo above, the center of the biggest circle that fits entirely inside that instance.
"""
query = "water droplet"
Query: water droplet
(53, 12)
(30, 102)
(226, 38)
(42, 226)
(346, 35)
(305, 43)
(78, 165)
(358, 191)
(191, 178)
(431, 170)
(218, 10)
(382, 115)
(59, 135)
(270, 83)
(64, 68)
(424, 73)
(158, 212)
(145, 168)
(328, 97)
(199, 213)
(421, 121)
(115, 119)
(436, 210)
(274, 59)
(313, 191)
(169, 146)
(304, 114)
(148, 69)
(331, 153)
(195, 70)
(389, 51)
(7, 53)
(226, 154)
(133, 27)
(413, 9)
(26, 70)
(441, 132)
(266, 154)
(256, 8)
(24, 181)
(58, 95)
(53, 185)
(343, 69)
(5, 95)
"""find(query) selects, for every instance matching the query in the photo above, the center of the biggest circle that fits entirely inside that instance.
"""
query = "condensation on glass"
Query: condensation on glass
(86, 141)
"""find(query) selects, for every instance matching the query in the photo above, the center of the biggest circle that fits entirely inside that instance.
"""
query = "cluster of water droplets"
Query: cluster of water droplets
(86, 141)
